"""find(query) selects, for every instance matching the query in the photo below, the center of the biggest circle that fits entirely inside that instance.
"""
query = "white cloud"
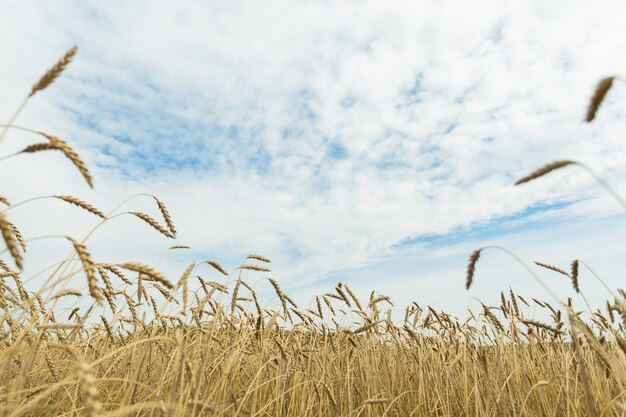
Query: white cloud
(320, 134)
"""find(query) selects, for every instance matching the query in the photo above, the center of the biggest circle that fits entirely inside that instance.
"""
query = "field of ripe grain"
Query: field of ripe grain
(214, 348)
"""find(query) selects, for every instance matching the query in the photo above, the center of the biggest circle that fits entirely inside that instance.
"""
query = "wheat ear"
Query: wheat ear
(217, 266)
(258, 257)
(254, 268)
(574, 275)
(471, 268)
(147, 271)
(559, 164)
(49, 77)
(544, 170)
(183, 282)
(89, 389)
(60, 145)
(10, 240)
(73, 156)
(552, 268)
(602, 88)
(80, 203)
(90, 270)
(155, 225)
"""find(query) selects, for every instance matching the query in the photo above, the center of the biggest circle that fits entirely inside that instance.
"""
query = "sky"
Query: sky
(372, 143)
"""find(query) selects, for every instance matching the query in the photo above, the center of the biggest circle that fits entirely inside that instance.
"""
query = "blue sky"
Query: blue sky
(340, 139)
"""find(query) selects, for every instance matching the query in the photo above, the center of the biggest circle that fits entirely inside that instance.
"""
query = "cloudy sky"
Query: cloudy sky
(373, 143)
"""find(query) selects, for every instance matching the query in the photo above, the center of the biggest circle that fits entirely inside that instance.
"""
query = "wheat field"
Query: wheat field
(100, 339)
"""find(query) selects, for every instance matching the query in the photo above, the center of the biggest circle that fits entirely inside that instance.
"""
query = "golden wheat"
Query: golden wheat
(228, 356)
(52, 74)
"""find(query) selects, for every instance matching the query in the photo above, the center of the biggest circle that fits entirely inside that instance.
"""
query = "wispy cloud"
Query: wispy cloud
(327, 136)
